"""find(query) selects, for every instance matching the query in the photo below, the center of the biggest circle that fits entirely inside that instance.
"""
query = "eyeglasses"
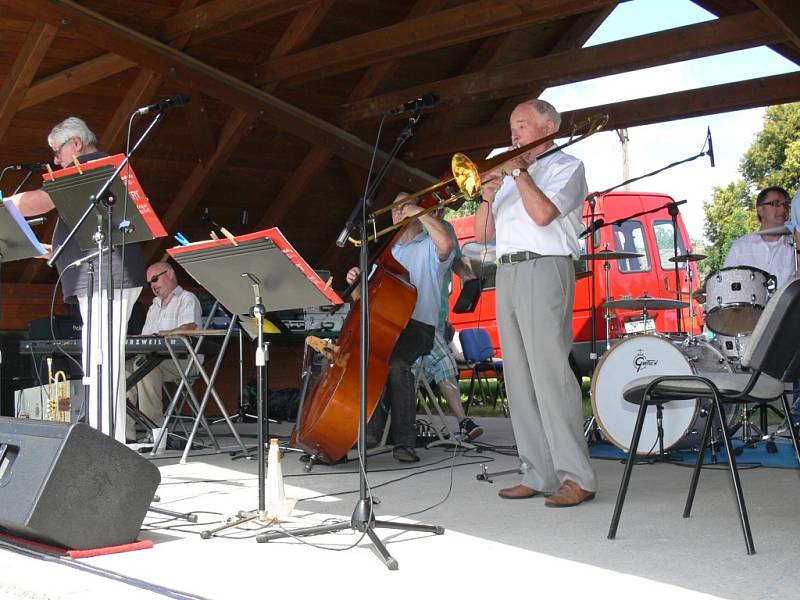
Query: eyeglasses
(57, 151)
(154, 278)
(776, 204)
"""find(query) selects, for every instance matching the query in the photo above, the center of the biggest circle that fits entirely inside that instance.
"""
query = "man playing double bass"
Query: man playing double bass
(425, 249)
(533, 209)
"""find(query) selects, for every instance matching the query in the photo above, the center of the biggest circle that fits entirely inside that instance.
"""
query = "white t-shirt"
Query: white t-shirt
(182, 308)
(561, 178)
(776, 258)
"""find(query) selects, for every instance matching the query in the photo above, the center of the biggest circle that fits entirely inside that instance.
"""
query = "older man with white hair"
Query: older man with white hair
(72, 140)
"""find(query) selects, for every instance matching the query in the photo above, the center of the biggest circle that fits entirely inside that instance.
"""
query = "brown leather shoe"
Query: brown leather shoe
(518, 492)
(569, 494)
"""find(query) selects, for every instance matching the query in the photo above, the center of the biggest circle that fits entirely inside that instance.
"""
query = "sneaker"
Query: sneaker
(470, 429)
(405, 454)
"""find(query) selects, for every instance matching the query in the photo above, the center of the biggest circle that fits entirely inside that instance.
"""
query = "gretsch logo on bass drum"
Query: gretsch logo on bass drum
(640, 361)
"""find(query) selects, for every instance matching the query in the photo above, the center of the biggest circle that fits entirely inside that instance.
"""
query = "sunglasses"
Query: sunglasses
(154, 278)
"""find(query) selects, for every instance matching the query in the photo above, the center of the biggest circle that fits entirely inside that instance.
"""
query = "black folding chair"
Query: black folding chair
(773, 355)
(479, 358)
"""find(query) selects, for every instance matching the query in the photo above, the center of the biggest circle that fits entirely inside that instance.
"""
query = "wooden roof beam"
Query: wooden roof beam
(224, 87)
(15, 84)
(664, 47)
(751, 93)
(220, 17)
(471, 21)
(317, 159)
(785, 14)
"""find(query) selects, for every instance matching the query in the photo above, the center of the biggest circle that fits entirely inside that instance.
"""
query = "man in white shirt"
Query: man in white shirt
(173, 309)
(771, 253)
(533, 210)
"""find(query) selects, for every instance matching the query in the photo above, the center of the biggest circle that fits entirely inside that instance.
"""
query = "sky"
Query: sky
(654, 146)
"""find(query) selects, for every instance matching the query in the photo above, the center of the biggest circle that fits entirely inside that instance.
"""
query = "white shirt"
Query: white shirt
(561, 178)
(776, 258)
(183, 307)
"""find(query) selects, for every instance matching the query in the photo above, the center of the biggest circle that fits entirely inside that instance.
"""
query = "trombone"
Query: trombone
(467, 176)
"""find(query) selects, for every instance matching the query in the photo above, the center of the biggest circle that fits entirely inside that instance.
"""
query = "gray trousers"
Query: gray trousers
(534, 316)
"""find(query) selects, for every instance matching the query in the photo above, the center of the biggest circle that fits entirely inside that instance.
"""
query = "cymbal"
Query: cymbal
(780, 230)
(687, 258)
(582, 275)
(646, 303)
(610, 255)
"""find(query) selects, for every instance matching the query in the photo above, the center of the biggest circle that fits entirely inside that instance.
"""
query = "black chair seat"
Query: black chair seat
(728, 384)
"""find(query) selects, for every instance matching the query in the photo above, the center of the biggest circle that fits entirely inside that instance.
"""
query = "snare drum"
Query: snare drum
(735, 298)
(639, 356)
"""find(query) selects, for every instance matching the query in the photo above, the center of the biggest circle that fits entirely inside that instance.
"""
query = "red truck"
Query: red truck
(652, 274)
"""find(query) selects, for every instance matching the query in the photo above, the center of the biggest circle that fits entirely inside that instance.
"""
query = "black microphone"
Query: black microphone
(592, 228)
(38, 166)
(178, 100)
(425, 101)
(710, 146)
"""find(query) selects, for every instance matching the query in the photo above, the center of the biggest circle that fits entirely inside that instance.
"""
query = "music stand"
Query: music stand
(17, 240)
(102, 182)
(250, 275)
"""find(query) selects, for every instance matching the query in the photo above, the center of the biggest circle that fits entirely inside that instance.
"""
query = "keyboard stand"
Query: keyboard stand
(198, 407)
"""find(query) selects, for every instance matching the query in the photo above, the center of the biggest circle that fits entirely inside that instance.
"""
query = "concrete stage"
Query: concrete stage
(490, 546)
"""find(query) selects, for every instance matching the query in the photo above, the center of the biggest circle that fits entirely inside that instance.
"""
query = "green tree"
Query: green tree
(774, 156)
(728, 216)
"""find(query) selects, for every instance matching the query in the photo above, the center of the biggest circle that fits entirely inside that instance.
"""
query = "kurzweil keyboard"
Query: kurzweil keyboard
(134, 344)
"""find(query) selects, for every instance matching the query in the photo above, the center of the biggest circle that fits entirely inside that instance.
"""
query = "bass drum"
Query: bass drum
(640, 356)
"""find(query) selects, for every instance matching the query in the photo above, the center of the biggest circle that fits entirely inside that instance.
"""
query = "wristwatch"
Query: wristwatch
(517, 172)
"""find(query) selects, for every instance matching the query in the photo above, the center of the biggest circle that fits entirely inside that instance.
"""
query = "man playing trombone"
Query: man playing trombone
(533, 210)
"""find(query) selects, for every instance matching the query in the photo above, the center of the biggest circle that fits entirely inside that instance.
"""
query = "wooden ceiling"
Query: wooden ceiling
(287, 94)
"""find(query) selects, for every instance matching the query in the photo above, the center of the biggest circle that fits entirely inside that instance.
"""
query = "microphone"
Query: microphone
(425, 101)
(592, 228)
(37, 166)
(178, 100)
(36, 221)
(710, 146)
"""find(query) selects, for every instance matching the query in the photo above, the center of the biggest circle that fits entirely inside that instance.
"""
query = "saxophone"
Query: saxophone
(58, 403)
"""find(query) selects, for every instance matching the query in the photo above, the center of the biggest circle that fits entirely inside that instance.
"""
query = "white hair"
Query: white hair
(69, 128)
(545, 109)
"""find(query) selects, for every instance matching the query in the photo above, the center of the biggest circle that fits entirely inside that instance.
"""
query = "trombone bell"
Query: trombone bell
(466, 175)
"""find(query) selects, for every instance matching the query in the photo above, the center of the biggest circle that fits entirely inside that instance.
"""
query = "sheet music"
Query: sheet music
(14, 213)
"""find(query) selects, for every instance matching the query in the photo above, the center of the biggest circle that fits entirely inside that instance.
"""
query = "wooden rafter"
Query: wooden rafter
(16, 83)
(471, 21)
(317, 158)
(664, 47)
(220, 17)
(786, 16)
(740, 95)
(301, 29)
(228, 89)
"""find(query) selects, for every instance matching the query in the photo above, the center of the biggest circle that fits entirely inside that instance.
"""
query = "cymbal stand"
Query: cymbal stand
(690, 277)
(606, 271)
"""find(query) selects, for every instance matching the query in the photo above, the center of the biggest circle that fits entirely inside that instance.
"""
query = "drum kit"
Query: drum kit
(733, 300)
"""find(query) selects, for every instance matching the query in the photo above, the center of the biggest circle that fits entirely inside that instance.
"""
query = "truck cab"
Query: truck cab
(637, 222)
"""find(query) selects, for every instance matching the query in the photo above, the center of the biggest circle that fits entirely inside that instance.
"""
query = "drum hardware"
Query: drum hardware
(688, 259)
(606, 256)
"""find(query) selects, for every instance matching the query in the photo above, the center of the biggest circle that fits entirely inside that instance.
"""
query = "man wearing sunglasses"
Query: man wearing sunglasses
(772, 253)
(70, 140)
(173, 309)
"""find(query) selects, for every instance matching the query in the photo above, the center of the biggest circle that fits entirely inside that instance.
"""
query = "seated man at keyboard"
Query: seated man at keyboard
(174, 309)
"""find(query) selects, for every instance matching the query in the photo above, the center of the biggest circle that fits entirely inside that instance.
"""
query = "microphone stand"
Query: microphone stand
(102, 195)
(363, 517)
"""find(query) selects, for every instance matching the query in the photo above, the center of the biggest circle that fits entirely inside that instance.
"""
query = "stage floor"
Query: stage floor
(490, 545)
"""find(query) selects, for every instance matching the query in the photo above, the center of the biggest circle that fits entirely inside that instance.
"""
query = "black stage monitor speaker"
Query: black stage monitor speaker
(71, 486)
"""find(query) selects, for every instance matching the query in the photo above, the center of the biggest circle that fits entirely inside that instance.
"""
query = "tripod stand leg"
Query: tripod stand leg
(389, 560)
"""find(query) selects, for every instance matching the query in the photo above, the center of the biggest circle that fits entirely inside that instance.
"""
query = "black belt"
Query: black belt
(516, 257)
